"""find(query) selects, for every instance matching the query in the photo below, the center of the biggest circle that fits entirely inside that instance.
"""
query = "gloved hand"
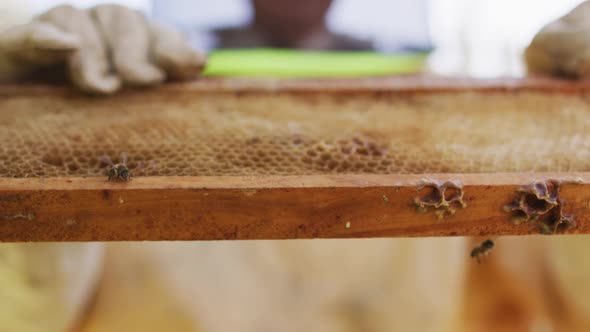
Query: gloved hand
(562, 47)
(103, 49)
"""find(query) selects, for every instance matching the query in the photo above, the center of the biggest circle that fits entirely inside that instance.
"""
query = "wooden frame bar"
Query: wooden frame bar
(291, 207)
(403, 84)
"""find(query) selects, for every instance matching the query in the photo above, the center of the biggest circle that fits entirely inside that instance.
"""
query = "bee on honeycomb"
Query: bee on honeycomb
(119, 171)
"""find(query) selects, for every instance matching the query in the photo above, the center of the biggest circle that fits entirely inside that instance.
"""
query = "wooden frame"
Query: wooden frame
(282, 207)
(237, 208)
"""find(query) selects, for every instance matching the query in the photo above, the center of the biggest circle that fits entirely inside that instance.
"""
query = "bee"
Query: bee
(482, 250)
(119, 171)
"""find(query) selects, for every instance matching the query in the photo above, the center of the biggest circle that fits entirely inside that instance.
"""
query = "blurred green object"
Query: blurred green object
(307, 64)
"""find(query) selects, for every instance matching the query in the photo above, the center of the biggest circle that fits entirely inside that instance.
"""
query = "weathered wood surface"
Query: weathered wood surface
(274, 207)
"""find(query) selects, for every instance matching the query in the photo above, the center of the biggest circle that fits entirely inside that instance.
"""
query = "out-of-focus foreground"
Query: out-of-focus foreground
(512, 291)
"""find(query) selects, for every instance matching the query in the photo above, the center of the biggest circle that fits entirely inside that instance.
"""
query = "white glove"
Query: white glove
(562, 47)
(103, 48)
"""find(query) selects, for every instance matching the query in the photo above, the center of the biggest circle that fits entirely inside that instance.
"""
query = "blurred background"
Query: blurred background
(481, 38)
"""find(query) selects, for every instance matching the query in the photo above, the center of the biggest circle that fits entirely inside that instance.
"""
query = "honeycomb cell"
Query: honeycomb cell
(286, 134)
(444, 198)
(539, 203)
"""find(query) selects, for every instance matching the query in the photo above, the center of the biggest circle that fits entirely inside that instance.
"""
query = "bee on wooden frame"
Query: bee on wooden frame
(119, 171)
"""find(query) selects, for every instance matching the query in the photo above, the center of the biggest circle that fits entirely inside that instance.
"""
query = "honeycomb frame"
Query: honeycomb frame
(405, 125)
